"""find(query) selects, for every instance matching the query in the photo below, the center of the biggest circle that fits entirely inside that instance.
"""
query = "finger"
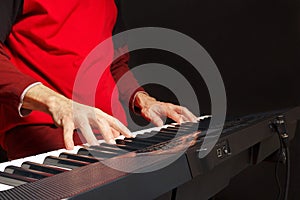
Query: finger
(175, 116)
(68, 130)
(115, 133)
(184, 118)
(186, 113)
(87, 133)
(118, 126)
(155, 119)
(106, 131)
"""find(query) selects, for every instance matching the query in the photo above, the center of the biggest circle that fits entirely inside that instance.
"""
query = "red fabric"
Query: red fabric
(12, 85)
(49, 43)
(12, 81)
(127, 84)
(34, 143)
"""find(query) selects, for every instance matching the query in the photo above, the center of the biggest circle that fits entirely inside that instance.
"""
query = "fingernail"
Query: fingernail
(131, 136)
(129, 132)
(70, 146)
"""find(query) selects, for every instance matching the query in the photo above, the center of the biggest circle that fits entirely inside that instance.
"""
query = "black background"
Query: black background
(255, 44)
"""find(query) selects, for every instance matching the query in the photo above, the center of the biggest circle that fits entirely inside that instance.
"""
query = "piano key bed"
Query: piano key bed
(81, 174)
(33, 168)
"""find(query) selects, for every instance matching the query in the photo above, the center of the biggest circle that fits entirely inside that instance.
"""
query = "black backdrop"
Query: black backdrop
(256, 46)
(254, 43)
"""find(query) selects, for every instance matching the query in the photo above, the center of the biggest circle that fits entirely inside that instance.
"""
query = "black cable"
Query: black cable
(278, 181)
(287, 171)
(174, 192)
(281, 129)
(276, 170)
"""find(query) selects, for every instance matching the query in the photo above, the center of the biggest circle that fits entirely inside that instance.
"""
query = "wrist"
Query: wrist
(41, 98)
(143, 99)
(22, 111)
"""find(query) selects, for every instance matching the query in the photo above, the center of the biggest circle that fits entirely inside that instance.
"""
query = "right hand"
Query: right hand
(71, 115)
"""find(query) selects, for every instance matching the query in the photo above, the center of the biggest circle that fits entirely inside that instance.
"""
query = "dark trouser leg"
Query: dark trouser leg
(3, 155)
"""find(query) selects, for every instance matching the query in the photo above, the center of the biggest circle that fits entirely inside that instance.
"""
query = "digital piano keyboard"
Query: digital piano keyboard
(108, 171)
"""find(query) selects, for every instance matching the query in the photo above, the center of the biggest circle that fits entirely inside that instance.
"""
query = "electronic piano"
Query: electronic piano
(161, 162)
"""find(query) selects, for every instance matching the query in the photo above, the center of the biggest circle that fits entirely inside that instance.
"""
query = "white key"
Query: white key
(37, 158)
(5, 187)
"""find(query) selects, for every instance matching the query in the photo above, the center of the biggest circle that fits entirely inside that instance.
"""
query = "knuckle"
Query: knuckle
(184, 109)
(168, 104)
(100, 119)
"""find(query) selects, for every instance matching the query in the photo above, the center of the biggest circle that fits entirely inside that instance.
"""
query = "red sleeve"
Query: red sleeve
(12, 81)
(129, 85)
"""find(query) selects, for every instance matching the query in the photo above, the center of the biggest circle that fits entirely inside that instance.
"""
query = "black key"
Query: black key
(14, 180)
(138, 145)
(200, 125)
(64, 162)
(169, 131)
(83, 151)
(118, 148)
(166, 133)
(156, 134)
(26, 172)
(176, 127)
(42, 168)
(96, 153)
(181, 129)
(148, 134)
(164, 136)
(150, 149)
(127, 145)
(111, 148)
(147, 141)
(175, 131)
(187, 124)
(136, 140)
(106, 145)
(83, 158)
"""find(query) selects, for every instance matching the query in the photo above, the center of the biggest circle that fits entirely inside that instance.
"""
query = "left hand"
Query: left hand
(154, 111)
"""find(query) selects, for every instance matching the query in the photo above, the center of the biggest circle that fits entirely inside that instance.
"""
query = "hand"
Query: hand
(71, 115)
(154, 110)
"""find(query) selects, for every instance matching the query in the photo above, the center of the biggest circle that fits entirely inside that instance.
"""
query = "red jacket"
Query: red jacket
(48, 43)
